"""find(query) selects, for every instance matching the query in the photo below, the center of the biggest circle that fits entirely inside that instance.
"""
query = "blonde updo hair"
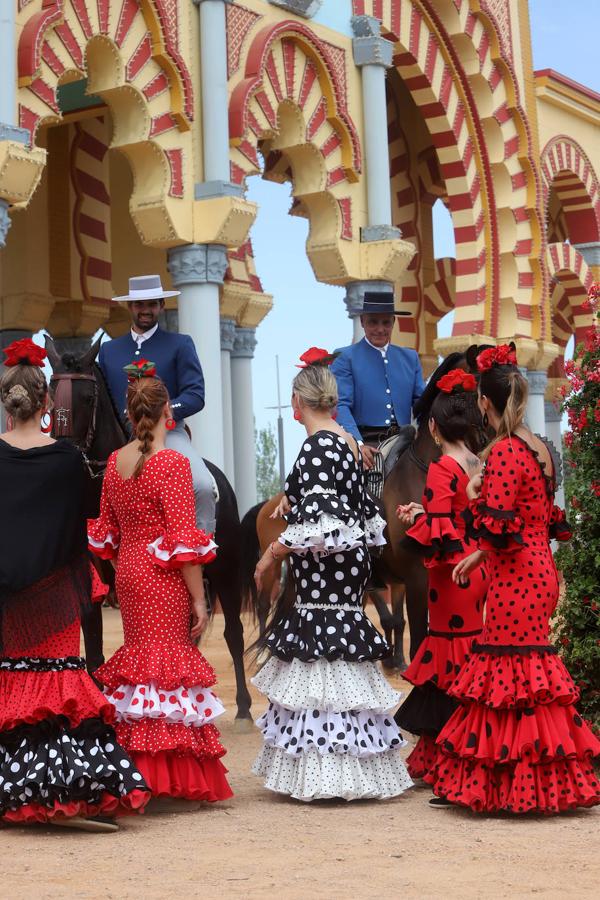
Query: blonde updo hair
(146, 398)
(23, 392)
(317, 387)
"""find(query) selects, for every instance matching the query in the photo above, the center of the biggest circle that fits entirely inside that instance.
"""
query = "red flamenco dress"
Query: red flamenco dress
(158, 681)
(59, 756)
(517, 743)
(455, 610)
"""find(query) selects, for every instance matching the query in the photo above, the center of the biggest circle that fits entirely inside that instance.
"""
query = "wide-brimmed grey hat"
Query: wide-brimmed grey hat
(146, 287)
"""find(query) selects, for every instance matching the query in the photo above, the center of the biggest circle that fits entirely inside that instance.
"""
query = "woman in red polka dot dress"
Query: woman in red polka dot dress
(158, 681)
(438, 534)
(517, 742)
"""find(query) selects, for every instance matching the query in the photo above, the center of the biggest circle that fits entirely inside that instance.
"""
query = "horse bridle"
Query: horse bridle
(63, 416)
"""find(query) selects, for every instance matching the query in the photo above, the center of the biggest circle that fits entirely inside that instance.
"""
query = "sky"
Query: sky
(307, 313)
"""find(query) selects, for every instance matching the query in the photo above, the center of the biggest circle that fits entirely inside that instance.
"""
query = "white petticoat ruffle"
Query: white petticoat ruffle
(165, 556)
(192, 706)
(335, 686)
(327, 535)
(374, 528)
(360, 734)
(312, 776)
(110, 540)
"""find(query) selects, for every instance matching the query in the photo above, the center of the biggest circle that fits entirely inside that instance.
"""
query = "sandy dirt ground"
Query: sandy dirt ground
(261, 845)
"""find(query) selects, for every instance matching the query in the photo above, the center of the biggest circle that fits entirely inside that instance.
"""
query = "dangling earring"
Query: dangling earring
(334, 415)
(485, 420)
(437, 441)
(46, 429)
(297, 415)
(170, 424)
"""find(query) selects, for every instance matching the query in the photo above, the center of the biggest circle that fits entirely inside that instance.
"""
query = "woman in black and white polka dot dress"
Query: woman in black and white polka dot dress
(329, 729)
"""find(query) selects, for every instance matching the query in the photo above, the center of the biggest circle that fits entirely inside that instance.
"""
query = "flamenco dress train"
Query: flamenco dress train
(455, 610)
(517, 742)
(329, 730)
(158, 682)
(59, 756)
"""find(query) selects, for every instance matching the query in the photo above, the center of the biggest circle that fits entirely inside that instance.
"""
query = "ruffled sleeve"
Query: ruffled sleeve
(558, 528)
(181, 541)
(321, 520)
(104, 534)
(434, 534)
(496, 524)
(374, 523)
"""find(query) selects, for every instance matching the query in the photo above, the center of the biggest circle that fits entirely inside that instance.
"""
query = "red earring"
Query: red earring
(297, 415)
(170, 424)
(46, 429)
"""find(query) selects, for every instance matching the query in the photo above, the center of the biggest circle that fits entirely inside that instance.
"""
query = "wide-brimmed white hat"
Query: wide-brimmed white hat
(146, 287)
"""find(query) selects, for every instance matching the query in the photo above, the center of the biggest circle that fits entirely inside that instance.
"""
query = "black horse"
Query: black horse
(85, 413)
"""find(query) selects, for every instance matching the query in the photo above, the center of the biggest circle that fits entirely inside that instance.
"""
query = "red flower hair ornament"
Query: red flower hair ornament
(457, 381)
(504, 355)
(140, 368)
(24, 353)
(316, 356)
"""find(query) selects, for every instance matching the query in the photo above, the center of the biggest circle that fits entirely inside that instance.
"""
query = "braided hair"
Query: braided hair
(146, 398)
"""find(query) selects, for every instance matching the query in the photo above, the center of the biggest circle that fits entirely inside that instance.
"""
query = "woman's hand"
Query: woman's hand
(460, 573)
(199, 617)
(265, 563)
(474, 486)
(408, 513)
(282, 509)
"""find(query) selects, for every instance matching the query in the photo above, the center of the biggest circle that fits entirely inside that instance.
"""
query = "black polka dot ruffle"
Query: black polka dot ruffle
(310, 634)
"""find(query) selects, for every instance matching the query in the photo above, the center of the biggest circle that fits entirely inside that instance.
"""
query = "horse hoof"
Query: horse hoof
(243, 726)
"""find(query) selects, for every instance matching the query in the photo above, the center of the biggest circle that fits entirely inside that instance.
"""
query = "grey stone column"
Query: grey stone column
(590, 252)
(8, 94)
(244, 450)
(536, 417)
(553, 417)
(227, 343)
(198, 271)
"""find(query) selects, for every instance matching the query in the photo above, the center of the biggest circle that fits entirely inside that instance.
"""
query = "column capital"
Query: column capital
(590, 252)
(197, 264)
(355, 294)
(206, 190)
(244, 343)
(537, 382)
(370, 233)
(304, 8)
(13, 133)
(227, 334)
(552, 412)
(198, 2)
(368, 47)
(4, 222)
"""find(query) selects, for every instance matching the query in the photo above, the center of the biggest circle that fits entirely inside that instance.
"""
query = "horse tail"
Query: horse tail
(250, 554)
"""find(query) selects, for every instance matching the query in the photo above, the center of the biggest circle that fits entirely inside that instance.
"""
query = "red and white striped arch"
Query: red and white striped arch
(568, 172)
(570, 278)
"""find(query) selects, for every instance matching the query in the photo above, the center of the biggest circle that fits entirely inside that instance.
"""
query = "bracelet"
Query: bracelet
(273, 554)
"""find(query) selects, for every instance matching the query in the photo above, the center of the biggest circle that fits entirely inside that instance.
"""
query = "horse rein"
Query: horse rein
(63, 416)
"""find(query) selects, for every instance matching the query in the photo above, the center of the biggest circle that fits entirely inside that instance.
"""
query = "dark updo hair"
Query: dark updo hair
(507, 390)
(23, 391)
(457, 418)
(146, 398)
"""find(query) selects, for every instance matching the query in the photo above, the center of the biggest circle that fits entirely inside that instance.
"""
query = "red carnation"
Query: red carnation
(24, 353)
(457, 379)
(316, 356)
(499, 356)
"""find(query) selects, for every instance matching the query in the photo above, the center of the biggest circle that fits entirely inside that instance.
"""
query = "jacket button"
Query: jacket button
(387, 421)
(388, 405)
(387, 390)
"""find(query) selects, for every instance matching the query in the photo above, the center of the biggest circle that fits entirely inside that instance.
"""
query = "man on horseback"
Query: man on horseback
(378, 382)
(177, 364)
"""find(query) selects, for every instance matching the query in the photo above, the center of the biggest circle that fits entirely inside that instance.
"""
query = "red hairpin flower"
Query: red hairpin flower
(24, 353)
(140, 368)
(504, 355)
(457, 380)
(316, 356)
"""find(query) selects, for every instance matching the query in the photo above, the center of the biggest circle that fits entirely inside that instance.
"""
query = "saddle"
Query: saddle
(390, 450)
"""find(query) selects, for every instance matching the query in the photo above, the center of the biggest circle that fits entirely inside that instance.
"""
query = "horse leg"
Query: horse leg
(233, 632)
(387, 623)
(399, 621)
(416, 604)
(91, 625)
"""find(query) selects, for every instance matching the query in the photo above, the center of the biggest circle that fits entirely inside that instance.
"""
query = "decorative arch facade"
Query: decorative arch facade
(570, 277)
(568, 173)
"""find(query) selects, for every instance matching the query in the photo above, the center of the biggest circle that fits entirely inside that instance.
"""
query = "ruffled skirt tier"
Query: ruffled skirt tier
(164, 709)
(328, 731)
(516, 743)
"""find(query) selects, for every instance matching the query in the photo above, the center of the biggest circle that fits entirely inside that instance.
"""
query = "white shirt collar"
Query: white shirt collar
(140, 338)
(382, 350)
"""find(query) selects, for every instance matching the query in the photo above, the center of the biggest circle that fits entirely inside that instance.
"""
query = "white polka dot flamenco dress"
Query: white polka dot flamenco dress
(329, 730)
(158, 681)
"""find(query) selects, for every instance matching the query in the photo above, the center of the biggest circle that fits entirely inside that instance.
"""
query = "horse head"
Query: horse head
(74, 393)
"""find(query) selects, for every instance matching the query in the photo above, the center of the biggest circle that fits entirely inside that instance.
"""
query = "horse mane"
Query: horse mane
(424, 403)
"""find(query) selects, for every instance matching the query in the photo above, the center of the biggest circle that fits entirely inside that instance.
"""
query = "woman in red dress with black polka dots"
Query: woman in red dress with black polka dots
(517, 742)
(158, 681)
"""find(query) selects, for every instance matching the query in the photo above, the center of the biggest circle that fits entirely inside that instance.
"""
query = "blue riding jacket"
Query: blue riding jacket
(176, 361)
(376, 392)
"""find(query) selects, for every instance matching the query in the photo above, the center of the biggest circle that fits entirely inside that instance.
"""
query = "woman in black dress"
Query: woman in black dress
(59, 760)
(328, 731)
